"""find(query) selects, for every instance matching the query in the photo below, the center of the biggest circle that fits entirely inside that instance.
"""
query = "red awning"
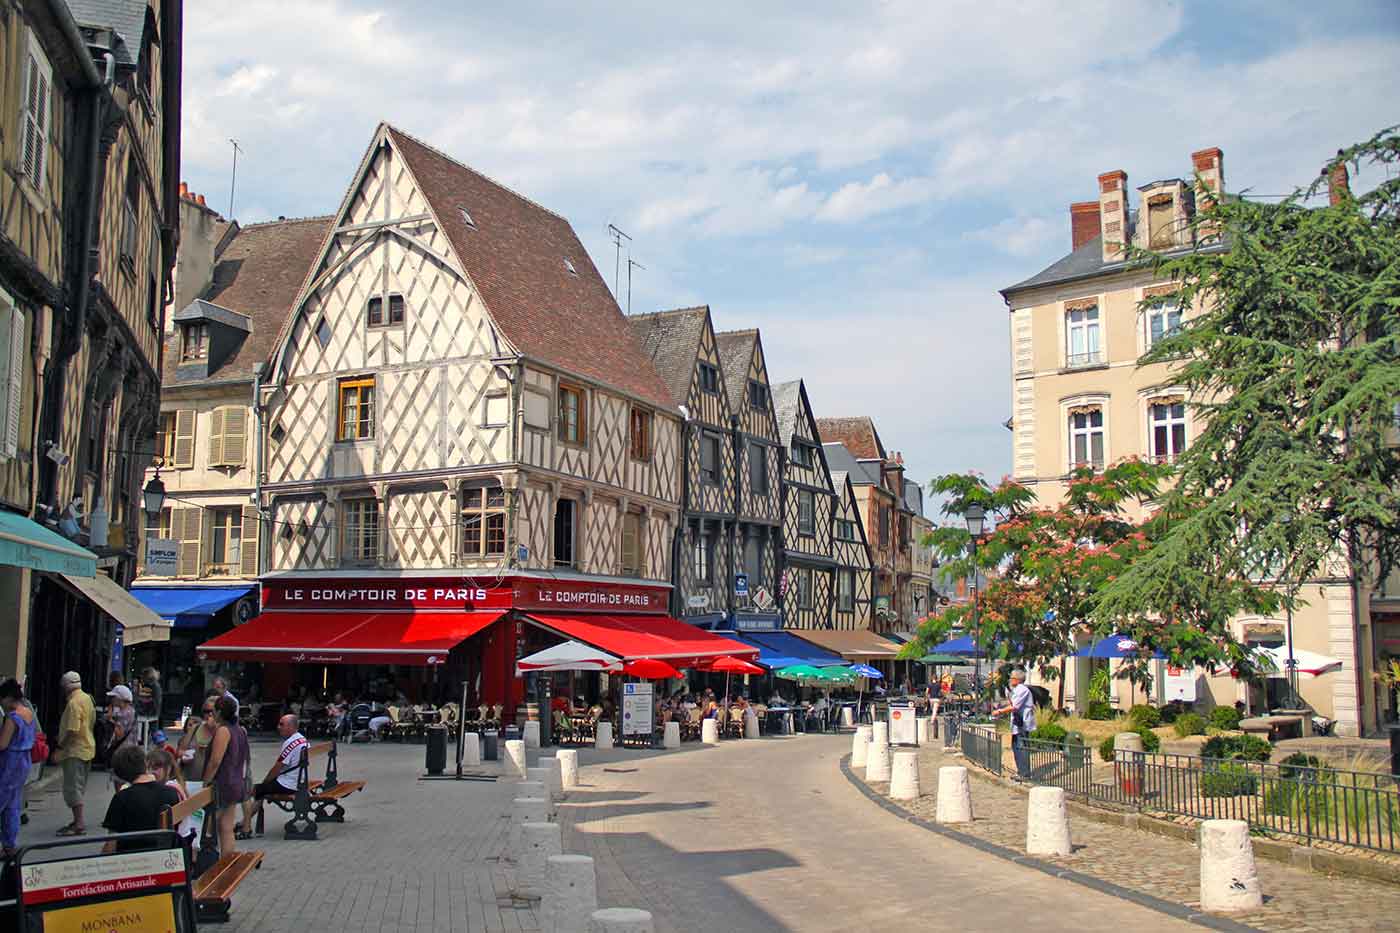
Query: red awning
(643, 636)
(413, 638)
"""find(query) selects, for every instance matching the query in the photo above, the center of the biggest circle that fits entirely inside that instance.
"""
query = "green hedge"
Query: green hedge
(1225, 717)
(1100, 710)
(1050, 732)
(1228, 780)
(1241, 747)
(1189, 724)
(1144, 715)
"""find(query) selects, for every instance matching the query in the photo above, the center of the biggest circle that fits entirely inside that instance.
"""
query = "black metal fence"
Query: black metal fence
(1314, 804)
(981, 744)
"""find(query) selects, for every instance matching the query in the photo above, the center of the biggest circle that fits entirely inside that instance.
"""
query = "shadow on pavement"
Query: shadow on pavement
(619, 811)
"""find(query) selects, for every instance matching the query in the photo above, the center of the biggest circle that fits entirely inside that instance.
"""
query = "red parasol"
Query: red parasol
(650, 669)
(732, 665)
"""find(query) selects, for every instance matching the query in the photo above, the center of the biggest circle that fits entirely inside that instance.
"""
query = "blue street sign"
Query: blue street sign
(741, 584)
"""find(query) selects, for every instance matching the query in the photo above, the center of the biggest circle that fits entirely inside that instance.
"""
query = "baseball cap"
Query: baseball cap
(121, 692)
(72, 679)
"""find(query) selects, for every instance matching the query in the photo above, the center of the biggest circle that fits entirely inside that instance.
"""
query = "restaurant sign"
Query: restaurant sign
(463, 594)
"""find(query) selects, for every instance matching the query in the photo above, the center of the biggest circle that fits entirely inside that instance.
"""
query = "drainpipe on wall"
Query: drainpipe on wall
(259, 452)
(738, 503)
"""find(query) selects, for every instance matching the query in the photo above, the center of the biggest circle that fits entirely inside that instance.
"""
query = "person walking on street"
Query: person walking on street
(1022, 710)
(76, 748)
(226, 766)
(122, 716)
(16, 743)
(221, 686)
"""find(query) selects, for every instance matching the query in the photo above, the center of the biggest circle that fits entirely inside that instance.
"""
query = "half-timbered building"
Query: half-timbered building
(850, 549)
(809, 504)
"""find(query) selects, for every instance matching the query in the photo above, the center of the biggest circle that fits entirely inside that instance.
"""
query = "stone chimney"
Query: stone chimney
(1208, 165)
(1083, 222)
(184, 190)
(1113, 214)
(1338, 183)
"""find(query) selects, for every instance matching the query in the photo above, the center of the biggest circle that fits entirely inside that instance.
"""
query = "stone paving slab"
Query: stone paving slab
(1295, 900)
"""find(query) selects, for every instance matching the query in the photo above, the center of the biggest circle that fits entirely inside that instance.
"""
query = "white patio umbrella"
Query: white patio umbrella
(1275, 662)
(568, 656)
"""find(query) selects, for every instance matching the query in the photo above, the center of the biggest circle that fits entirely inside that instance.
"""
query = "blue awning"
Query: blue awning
(782, 649)
(189, 606)
(25, 543)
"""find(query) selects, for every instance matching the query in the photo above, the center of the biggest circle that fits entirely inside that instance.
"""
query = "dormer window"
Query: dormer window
(569, 266)
(194, 341)
(1161, 220)
(758, 395)
(375, 315)
(709, 379)
(467, 218)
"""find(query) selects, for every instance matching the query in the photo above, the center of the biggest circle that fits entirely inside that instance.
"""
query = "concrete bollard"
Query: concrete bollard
(568, 767)
(877, 763)
(904, 776)
(954, 795)
(709, 731)
(1047, 823)
(538, 841)
(604, 738)
(1229, 880)
(515, 757)
(570, 894)
(860, 747)
(531, 734)
(554, 770)
(471, 750)
(524, 810)
(672, 736)
(848, 717)
(1128, 768)
(620, 920)
(880, 733)
(750, 724)
(921, 730)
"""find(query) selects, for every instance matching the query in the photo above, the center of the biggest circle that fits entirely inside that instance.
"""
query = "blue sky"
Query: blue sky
(857, 180)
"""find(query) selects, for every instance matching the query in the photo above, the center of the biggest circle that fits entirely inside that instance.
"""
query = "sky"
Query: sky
(857, 180)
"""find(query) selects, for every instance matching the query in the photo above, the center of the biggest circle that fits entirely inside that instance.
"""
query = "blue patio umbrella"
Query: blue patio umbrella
(1114, 646)
(865, 670)
(966, 647)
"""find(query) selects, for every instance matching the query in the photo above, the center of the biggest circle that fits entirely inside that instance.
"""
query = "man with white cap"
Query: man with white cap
(76, 747)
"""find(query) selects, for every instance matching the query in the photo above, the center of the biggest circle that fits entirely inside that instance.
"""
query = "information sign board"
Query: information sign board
(903, 727)
(162, 556)
(636, 709)
(131, 891)
(1179, 684)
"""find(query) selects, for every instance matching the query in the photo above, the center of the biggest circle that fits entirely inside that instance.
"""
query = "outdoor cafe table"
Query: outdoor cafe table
(779, 720)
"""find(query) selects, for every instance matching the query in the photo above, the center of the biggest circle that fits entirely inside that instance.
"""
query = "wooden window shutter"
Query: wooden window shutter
(249, 549)
(216, 437)
(235, 435)
(34, 131)
(188, 527)
(11, 374)
(184, 438)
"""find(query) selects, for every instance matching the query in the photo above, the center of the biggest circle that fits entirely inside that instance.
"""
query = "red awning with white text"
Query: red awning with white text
(630, 637)
(411, 638)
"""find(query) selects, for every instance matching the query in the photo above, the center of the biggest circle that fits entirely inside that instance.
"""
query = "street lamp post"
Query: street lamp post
(975, 516)
(153, 496)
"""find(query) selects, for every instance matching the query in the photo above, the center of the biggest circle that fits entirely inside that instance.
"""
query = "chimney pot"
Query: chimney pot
(1208, 165)
(184, 190)
(1338, 183)
(199, 199)
(1083, 222)
(1113, 214)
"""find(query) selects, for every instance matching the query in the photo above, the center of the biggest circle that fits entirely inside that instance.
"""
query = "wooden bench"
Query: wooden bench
(213, 889)
(313, 802)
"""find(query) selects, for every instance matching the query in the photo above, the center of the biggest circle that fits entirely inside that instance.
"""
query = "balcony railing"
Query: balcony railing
(1078, 360)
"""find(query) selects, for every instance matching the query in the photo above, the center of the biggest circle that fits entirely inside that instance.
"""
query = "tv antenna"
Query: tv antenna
(631, 264)
(234, 179)
(617, 237)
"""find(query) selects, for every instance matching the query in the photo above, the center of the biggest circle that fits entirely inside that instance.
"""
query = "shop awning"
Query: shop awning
(568, 656)
(642, 636)
(852, 643)
(139, 624)
(780, 649)
(413, 638)
(25, 543)
(189, 606)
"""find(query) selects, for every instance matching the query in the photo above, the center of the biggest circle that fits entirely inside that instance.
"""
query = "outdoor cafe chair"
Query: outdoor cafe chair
(735, 725)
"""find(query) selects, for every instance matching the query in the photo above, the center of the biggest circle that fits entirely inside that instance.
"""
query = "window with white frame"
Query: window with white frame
(1086, 442)
(701, 563)
(1166, 421)
(226, 550)
(806, 512)
(1163, 321)
(804, 587)
(360, 530)
(1082, 335)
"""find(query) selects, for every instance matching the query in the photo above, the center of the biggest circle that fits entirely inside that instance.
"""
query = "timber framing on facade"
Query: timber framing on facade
(456, 388)
(809, 509)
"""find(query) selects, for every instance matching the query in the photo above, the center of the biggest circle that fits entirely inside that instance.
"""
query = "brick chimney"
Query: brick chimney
(184, 190)
(1208, 166)
(1113, 214)
(1338, 183)
(1083, 222)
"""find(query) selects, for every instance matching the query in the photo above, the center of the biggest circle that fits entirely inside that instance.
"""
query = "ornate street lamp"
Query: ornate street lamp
(153, 496)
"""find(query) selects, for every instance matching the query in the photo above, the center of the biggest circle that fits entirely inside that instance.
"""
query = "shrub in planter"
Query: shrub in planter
(1241, 747)
(1189, 724)
(1049, 732)
(1144, 715)
(1099, 710)
(1106, 749)
(1228, 780)
(1225, 717)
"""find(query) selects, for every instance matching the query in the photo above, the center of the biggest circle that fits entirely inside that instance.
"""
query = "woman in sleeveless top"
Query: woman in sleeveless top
(195, 742)
(228, 757)
(16, 744)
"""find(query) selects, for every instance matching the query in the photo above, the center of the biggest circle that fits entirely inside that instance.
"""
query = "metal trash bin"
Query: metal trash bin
(436, 746)
(490, 740)
(1076, 754)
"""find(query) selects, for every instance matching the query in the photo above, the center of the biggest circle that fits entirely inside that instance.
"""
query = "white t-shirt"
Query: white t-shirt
(290, 758)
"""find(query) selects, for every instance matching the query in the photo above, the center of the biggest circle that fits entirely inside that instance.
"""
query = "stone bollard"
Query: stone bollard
(1047, 823)
(750, 724)
(620, 920)
(1229, 880)
(554, 770)
(524, 810)
(877, 763)
(568, 767)
(880, 733)
(538, 841)
(532, 733)
(604, 738)
(848, 717)
(954, 795)
(709, 731)
(515, 757)
(570, 894)
(672, 736)
(860, 747)
(471, 750)
(904, 776)
(1127, 768)
(921, 730)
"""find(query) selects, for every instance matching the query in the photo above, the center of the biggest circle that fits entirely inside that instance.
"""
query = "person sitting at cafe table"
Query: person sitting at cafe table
(137, 806)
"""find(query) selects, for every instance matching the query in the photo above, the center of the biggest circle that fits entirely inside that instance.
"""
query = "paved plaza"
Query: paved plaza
(764, 835)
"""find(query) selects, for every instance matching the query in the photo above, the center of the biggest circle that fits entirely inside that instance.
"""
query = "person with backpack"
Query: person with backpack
(16, 747)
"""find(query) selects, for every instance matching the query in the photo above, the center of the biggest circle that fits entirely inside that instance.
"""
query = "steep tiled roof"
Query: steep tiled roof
(913, 497)
(127, 18)
(857, 434)
(671, 339)
(257, 275)
(840, 460)
(787, 405)
(518, 254)
(735, 352)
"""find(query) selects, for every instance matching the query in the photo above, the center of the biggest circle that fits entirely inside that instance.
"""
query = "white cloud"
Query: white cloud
(1022, 236)
(860, 200)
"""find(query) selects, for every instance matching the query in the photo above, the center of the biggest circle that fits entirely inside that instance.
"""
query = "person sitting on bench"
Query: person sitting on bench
(136, 807)
(282, 776)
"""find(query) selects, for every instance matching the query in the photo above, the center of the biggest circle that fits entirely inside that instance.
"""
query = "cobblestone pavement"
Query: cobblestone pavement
(1295, 899)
